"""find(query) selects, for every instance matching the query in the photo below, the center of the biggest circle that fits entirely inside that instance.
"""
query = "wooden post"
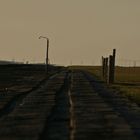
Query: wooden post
(103, 67)
(113, 65)
(106, 69)
(110, 79)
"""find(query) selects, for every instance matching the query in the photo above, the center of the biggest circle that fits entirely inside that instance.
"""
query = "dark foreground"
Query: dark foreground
(70, 105)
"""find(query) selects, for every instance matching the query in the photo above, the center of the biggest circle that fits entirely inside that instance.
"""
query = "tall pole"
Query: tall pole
(111, 74)
(47, 56)
(47, 53)
(106, 69)
(113, 65)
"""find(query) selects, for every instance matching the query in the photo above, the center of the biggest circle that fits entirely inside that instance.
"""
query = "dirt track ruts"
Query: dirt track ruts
(100, 114)
(72, 106)
(27, 120)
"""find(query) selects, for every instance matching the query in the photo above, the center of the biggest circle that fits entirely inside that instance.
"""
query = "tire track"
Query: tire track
(94, 117)
(126, 108)
(26, 121)
(18, 97)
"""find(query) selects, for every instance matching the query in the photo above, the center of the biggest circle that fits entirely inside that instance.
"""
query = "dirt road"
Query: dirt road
(71, 106)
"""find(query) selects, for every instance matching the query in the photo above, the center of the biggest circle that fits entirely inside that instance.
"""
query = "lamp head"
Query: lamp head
(40, 37)
(43, 37)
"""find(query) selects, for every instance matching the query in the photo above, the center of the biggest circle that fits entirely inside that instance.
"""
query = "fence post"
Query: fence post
(103, 67)
(106, 69)
(112, 67)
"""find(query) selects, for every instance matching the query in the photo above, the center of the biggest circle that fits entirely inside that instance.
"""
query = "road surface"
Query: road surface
(70, 105)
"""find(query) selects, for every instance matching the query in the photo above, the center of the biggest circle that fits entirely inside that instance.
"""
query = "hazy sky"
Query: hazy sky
(80, 31)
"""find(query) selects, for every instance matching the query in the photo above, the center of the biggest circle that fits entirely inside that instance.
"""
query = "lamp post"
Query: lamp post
(47, 52)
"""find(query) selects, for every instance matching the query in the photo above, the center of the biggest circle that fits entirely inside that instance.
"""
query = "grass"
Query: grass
(128, 75)
(95, 70)
(127, 80)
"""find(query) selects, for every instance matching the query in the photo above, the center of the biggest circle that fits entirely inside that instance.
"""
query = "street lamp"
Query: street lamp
(47, 51)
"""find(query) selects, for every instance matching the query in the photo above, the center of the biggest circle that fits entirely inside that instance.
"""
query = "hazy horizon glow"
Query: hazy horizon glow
(80, 31)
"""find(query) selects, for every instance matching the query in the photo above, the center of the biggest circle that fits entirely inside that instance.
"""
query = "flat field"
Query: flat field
(18, 80)
(22, 77)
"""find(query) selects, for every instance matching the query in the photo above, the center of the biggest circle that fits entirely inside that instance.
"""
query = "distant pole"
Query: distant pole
(47, 53)
(135, 63)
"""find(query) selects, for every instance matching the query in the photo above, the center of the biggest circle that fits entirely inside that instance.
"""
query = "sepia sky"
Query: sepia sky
(80, 31)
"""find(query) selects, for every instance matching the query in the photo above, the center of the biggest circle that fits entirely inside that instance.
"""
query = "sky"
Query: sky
(80, 31)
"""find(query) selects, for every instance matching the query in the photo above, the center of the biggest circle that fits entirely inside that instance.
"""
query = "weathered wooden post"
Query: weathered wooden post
(103, 67)
(112, 67)
(106, 69)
